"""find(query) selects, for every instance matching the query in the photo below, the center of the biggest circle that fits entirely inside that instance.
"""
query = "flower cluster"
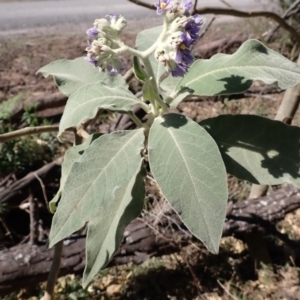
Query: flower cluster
(105, 34)
(173, 8)
(175, 51)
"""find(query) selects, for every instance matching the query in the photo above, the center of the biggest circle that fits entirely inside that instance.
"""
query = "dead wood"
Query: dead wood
(52, 104)
(293, 10)
(159, 232)
(15, 193)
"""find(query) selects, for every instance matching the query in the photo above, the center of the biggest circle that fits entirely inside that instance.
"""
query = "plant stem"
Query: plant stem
(160, 39)
(58, 249)
(154, 86)
(136, 120)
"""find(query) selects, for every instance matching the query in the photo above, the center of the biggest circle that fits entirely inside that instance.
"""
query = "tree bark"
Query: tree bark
(159, 232)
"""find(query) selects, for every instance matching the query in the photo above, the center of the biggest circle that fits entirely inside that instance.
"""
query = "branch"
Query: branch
(292, 10)
(236, 13)
(27, 131)
(250, 14)
(16, 192)
(143, 4)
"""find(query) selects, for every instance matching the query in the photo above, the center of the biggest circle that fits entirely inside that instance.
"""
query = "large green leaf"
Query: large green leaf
(105, 231)
(87, 100)
(106, 167)
(257, 149)
(228, 74)
(188, 167)
(70, 157)
(70, 75)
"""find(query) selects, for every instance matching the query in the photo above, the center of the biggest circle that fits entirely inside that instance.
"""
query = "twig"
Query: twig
(250, 14)
(128, 75)
(226, 290)
(205, 29)
(293, 9)
(43, 189)
(195, 6)
(8, 232)
(196, 279)
(143, 4)
(33, 220)
(27, 131)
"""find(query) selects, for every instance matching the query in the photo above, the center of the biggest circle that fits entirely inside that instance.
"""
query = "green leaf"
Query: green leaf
(105, 168)
(70, 75)
(70, 157)
(105, 232)
(188, 167)
(87, 100)
(228, 74)
(138, 70)
(146, 39)
(257, 149)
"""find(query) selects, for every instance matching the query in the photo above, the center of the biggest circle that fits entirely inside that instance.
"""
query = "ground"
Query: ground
(192, 273)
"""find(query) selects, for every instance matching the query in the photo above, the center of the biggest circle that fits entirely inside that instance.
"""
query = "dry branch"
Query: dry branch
(159, 232)
(236, 13)
(27, 131)
(291, 11)
(18, 191)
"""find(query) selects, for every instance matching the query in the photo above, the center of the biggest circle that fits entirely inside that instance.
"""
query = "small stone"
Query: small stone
(113, 289)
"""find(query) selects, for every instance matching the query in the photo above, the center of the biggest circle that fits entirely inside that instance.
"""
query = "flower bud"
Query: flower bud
(101, 24)
(178, 23)
(120, 24)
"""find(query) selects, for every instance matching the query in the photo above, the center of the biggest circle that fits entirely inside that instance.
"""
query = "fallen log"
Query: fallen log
(159, 232)
(54, 102)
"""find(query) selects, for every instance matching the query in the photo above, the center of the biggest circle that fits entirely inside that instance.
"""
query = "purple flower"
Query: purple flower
(112, 16)
(162, 6)
(183, 52)
(193, 28)
(91, 60)
(180, 70)
(184, 56)
(92, 32)
(187, 4)
(112, 71)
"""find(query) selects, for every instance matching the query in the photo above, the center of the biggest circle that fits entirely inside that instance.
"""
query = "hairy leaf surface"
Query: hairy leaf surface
(105, 231)
(228, 74)
(188, 167)
(105, 168)
(86, 101)
(70, 75)
(257, 149)
(70, 157)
